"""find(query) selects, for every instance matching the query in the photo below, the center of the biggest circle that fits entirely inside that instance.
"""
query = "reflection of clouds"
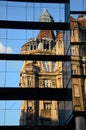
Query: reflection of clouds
(4, 49)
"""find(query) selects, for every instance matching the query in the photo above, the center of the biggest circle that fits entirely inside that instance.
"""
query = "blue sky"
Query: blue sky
(11, 41)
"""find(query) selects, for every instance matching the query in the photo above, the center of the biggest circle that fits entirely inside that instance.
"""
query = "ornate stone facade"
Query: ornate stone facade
(43, 74)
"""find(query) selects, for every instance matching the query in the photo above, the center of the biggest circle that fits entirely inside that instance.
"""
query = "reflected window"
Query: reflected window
(46, 65)
(31, 47)
(72, 51)
(29, 81)
(53, 65)
(73, 71)
(29, 106)
(76, 91)
(34, 47)
(47, 83)
(47, 106)
(46, 44)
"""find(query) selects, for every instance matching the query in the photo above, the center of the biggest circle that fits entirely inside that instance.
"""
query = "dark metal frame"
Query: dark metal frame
(35, 93)
(49, 94)
(42, 1)
(59, 94)
(34, 25)
(18, 57)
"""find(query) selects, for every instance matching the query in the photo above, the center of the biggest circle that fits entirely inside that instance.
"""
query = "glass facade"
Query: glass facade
(12, 40)
(65, 107)
(18, 40)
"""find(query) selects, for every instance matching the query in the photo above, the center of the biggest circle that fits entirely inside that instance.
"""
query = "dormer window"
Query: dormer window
(34, 47)
(31, 47)
(46, 44)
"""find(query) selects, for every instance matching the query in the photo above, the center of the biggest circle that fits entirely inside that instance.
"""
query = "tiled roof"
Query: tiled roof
(45, 34)
(73, 22)
(59, 35)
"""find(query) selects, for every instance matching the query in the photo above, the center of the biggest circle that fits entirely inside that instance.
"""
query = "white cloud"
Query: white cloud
(4, 49)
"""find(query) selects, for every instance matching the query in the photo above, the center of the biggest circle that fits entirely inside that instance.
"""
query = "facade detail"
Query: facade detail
(39, 74)
(48, 74)
(78, 55)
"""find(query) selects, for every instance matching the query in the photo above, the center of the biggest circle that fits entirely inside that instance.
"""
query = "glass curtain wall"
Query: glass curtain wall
(65, 107)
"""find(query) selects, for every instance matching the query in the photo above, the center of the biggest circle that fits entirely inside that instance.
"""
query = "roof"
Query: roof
(80, 21)
(45, 34)
(73, 22)
(46, 17)
(60, 35)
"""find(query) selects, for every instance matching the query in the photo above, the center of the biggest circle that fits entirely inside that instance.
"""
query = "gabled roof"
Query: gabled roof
(45, 34)
(81, 21)
(73, 22)
(46, 17)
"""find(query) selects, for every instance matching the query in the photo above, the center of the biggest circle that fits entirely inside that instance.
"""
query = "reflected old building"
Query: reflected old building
(48, 74)
(78, 52)
(78, 60)
(39, 74)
